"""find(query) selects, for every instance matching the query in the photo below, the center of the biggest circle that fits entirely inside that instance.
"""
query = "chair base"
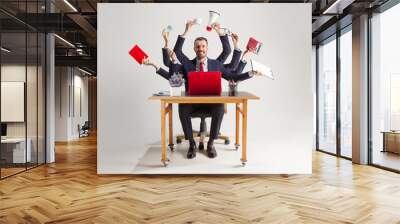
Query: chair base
(202, 133)
(180, 138)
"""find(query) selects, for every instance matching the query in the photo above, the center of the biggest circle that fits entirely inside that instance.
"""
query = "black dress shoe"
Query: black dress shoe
(211, 153)
(191, 152)
(201, 146)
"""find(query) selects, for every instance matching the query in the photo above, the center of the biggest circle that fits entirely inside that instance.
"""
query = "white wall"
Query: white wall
(80, 115)
(68, 81)
(280, 125)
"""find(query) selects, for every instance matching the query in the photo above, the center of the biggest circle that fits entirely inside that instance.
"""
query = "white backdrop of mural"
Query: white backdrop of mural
(280, 125)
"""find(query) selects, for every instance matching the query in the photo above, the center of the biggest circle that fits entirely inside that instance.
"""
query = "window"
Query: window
(327, 96)
(346, 93)
(385, 89)
(22, 66)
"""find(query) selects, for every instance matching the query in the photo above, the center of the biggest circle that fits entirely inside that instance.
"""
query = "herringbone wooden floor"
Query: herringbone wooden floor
(70, 191)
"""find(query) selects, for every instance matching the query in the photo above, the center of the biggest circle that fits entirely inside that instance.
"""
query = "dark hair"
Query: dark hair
(200, 39)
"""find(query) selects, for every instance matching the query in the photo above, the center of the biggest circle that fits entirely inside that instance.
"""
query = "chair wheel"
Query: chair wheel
(178, 141)
(227, 142)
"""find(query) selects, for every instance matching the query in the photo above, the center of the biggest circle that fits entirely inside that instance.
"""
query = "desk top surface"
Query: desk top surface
(13, 140)
(224, 96)
(391, 132)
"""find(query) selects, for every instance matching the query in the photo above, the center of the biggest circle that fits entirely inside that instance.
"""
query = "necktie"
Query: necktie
(202, 66)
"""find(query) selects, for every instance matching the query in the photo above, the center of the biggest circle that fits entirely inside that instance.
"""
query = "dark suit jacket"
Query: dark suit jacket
(240, 67)
(213, 65)
(173, 68)
(234, 61)
(226, 50)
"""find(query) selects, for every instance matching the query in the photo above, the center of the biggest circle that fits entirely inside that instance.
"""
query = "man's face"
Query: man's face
(201, 48)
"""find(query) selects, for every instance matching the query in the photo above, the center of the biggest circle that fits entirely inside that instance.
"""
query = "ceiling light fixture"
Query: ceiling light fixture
(64, 40)
(70, 5)
(5, 50)
(84, 71)
(332, 9)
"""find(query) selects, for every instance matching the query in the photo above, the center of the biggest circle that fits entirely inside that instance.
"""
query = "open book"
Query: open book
(266, 71)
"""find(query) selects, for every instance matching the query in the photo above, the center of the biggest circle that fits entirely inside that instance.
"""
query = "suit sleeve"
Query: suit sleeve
(229, 75)
(241, 66)
(226, 49)
(166, 59)
(234, 61)
(175, 68)
(183, 59)
(163, 73)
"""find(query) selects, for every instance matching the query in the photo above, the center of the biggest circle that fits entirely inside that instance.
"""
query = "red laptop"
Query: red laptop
(204, 83)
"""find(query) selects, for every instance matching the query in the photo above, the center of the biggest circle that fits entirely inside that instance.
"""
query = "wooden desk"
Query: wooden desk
(241, 108)
(14, 152)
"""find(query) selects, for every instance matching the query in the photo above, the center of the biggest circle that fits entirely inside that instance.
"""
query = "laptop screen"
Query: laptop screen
(205, 83)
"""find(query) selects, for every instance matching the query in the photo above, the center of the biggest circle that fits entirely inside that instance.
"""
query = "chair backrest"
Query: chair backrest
(86, 125)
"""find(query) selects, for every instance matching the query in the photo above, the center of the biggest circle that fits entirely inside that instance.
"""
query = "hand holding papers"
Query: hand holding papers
(261, 69)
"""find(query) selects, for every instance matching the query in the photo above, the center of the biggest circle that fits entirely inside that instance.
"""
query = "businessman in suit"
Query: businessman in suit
(170, 60)
(203, 63)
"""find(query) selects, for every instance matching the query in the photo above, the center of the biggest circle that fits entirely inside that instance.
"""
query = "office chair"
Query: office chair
(202, 133)
(84, 130)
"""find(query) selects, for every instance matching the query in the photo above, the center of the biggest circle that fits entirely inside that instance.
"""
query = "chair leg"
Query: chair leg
(203, 129)
(203, 133)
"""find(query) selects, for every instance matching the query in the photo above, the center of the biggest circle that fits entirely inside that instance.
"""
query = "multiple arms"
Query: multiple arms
(158, 69)
(236, 53)
(226, 48)
(179, 44)
(228, 70)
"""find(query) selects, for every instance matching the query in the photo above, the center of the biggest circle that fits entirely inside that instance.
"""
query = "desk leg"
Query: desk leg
(170, 131)
(237, 144)
(244, 134)
(164, 159)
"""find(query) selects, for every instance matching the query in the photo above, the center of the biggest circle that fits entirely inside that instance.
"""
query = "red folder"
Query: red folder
(138, 54)
(204, 83)
(254, 44)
